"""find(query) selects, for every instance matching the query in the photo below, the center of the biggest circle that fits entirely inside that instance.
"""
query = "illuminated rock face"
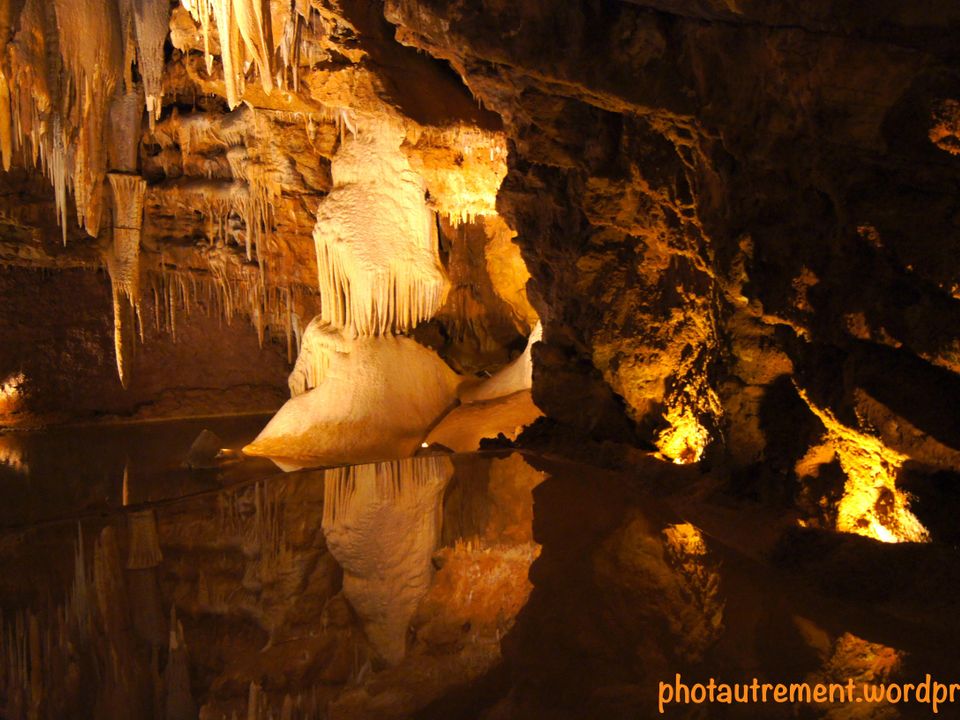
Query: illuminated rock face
(719, 212)
(714, 222)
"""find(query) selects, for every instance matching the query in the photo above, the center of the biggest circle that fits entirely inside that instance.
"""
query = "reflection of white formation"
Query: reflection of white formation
(176, 675)
(377, 261)
(360, 399)
(144, 541)
(382, 524)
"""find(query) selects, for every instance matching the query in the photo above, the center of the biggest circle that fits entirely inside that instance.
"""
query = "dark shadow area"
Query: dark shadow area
(423, 88)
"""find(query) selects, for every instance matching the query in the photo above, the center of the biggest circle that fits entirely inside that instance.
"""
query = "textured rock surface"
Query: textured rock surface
(721, 203)
(56, 336)
(738, 220)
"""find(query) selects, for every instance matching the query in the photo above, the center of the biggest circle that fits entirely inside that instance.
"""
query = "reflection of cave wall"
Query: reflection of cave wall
(57, 331)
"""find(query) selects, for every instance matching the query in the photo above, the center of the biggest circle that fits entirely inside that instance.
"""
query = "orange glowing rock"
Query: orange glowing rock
(872, 505)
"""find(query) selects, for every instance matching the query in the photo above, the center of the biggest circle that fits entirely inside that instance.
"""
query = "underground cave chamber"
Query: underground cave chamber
(478, 359)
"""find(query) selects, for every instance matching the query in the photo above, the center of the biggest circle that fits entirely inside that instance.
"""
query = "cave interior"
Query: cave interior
(501, 359)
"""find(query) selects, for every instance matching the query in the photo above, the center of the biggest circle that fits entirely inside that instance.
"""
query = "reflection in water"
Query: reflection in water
(11, 393)
(696, 577)
(144, 542)
(382, 524)
(849, 657)
(72, 470)
(11, 455)
(389, 590)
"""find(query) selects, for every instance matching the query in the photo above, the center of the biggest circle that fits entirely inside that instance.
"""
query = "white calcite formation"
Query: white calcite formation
(382, 524)
(360, 391)
(250, 32)
(516, 376)
(357, 399)
(502, 404)
(376, 241)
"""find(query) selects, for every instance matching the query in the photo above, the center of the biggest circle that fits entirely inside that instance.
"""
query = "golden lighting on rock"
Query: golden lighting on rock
(684, 440)
(849, 657)
(872, 505)
(11, 393)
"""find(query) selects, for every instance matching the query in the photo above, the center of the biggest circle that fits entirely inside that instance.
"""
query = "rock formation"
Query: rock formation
(734, 221)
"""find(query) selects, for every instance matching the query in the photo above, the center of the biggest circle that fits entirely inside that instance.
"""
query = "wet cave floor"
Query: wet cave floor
(495, 584)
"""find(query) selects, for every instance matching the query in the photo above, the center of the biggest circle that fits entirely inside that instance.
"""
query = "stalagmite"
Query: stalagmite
(378, 267)
(382, 524)
(372, 398)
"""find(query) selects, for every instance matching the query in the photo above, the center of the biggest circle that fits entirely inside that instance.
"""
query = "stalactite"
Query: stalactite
(228, 289)
(128, 197)
(152, 25)
(123, 264)
(35, 103)
(91, 45)
(58, 175)
(6, 119)
(255, 24)
(250, 31)
(378, 269)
